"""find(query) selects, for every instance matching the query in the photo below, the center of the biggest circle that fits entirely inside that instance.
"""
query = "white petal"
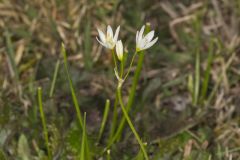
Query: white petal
(150, 44)
(141, 33)
(142, 43)
(101, 35)
(99, 41)
(119, 50)
(137, 36)
(149, 36)
(103, 44)
(109, 31)
(116, 34)
(120, 46)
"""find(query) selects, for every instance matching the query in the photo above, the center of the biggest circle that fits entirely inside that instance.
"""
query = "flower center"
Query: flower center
(109, 40)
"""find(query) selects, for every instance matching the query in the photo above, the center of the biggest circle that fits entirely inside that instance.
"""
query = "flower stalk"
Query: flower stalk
(130, 98)
(130, 122)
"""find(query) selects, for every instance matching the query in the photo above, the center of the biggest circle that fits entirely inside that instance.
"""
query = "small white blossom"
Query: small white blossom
(119, 50)
(108, 40)
(144, 42)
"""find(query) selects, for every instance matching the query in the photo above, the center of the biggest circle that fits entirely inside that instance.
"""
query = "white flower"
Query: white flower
(108, 40)
(144, 42)
(119, 50)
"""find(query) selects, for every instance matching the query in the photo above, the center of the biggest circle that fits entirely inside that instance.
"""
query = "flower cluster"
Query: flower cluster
(110, 40)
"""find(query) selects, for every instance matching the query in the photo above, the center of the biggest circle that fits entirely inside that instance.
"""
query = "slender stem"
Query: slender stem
(130, 123)
(114, 59)
(130, 66)
(114, 120)
(122, 68)
(45, 131)
(131, 95)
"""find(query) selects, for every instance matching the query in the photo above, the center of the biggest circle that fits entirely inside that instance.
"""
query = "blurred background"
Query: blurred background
(187, 102)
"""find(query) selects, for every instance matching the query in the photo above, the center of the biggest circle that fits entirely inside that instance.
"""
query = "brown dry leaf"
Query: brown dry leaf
(19, 52)
(188, 149)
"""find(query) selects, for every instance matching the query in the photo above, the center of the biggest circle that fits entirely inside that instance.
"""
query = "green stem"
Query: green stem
(131, 95)
(130, 123)
(122, 68)
(115, 115)
(114, 59)
(45, 131)
(114, 120)
(130, 66)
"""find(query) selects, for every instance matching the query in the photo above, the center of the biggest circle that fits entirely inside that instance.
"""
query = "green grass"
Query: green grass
(104, 120)
(44, 123)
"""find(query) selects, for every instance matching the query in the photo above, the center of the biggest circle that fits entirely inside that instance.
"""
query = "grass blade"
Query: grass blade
(88, 45)
(10, 55)
(44, 124)
(82, 155)
(54, 78)
(74, 97)
(207, 73)
(197, 79)
(105, 115)
(75, 101)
